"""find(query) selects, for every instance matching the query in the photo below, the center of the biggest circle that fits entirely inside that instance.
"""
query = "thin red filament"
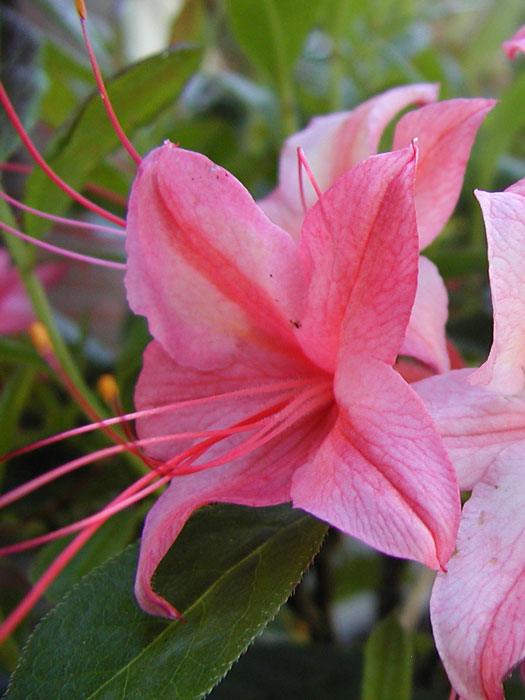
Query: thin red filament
(80, 257)
(60, 219)
(51, 174)
(115, 123)
(267, 423)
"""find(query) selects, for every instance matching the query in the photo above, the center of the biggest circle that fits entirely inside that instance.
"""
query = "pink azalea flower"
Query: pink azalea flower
(336, 142)
(478, 606)
(16, 312)
(515, 44)
(282, 349)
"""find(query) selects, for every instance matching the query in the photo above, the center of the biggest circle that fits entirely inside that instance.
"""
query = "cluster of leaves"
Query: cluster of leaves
(248, 73)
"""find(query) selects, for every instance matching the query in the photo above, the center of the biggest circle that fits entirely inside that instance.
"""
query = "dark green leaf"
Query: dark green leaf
(110, 540)
(388, 663)
(229, 572)
(137, 94)
(17, 351)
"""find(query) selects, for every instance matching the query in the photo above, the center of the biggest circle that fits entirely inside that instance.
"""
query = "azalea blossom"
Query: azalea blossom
(274, 353)
(16, 312)
(334, 143)
(284, 347)
(478, 606)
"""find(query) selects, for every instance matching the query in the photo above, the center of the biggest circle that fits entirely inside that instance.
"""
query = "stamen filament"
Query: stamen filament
(115, 123)
(39, 481)
(60, 219)
(12, 621)
(104, 514)
(157, 410)
(301, 183)
(273, 420)
(302, 160)
(284, 419)
(51, 174)
(62, 251)
(92, 187)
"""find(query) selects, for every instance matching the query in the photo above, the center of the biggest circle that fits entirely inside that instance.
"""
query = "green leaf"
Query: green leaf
(272, 34)
(388, 663)
(137, 95)
(110, 540)
(503, 124)
(68, 80)
(229, 572)
(13, 398)
(16, 351)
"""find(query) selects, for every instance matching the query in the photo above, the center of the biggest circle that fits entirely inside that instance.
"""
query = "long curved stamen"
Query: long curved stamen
(303, 405)
(39, 481)
(92, 187)
(273, 421)
(157, 410)
(42, 342)
(115, 123)
(162, 476)
(62, 251)
(60, 219)
(12, 621)
(51, 174)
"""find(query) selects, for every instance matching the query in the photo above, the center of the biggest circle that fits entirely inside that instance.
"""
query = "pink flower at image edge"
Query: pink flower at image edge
(478, 606)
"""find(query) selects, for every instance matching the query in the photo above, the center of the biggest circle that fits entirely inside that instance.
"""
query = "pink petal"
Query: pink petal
(382, 474)
(475, 424)
(359, 254)
(333, 144)
(261, 479)
(164, 381)
(205, 263)
(504, 214)
(516, 44)
(478, 606)
(445, 133)
(425, 337)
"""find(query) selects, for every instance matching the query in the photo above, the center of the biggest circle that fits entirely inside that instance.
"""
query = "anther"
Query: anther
(41, 340)
(81, 8)
(108, 389)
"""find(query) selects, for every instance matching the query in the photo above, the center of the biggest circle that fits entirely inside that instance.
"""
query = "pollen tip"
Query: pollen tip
(81, 9)
(40, 338)
(107, 388)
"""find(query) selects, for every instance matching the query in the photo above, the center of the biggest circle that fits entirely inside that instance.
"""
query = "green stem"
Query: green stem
(23, 258)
